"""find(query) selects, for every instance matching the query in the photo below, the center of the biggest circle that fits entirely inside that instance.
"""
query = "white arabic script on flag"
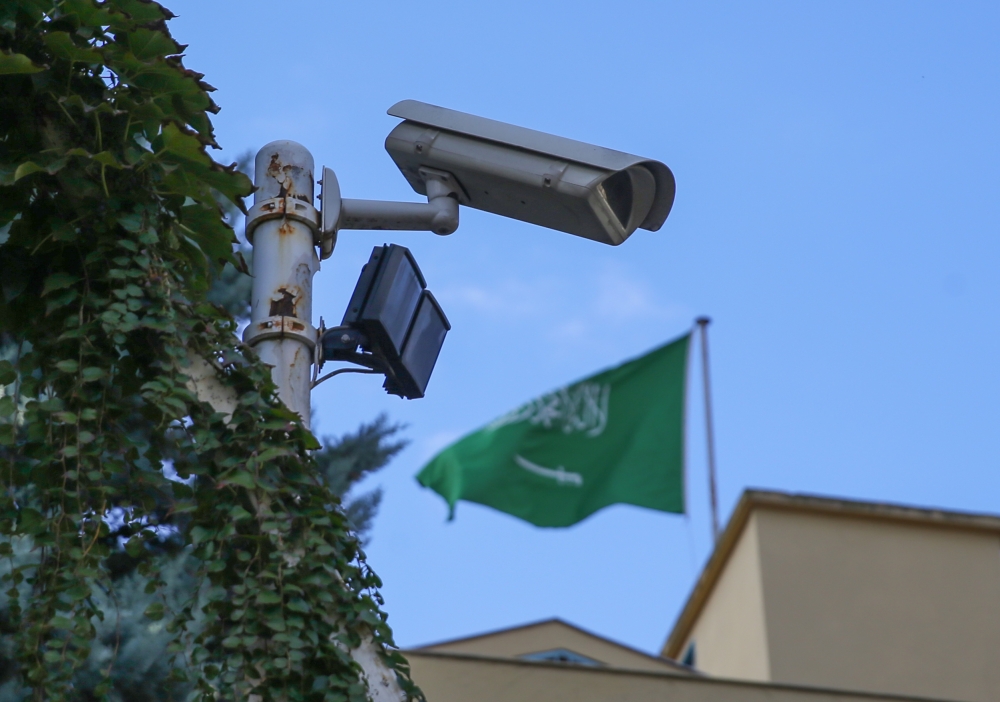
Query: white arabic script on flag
(578, 408)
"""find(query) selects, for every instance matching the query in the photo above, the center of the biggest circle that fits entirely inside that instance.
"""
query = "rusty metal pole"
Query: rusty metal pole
(282, 228)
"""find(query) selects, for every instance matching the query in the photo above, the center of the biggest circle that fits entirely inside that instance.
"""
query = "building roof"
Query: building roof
(553, 635)
(762, 499)
(452, 677)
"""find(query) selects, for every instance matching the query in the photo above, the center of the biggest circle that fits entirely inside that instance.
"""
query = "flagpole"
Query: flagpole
(703, 323)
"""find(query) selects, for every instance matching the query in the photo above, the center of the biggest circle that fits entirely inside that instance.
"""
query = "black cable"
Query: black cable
(342, 370)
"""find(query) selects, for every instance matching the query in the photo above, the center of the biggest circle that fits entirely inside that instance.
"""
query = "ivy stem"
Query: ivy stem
(38, 245)
(128, 125)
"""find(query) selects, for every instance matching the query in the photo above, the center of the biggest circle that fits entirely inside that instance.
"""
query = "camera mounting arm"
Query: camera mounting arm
(438, 215)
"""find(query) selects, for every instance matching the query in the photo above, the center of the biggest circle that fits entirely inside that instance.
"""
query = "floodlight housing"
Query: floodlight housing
(421, 350)
(386, 297)
(395, 322)
(559, 183)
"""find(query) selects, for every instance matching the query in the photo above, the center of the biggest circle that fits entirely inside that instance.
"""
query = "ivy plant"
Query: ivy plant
(110, 235)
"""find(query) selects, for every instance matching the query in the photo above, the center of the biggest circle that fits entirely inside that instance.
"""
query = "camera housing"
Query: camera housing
(558, 183)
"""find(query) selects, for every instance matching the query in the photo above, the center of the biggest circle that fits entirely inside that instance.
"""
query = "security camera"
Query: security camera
(535, 177)
(454, 158)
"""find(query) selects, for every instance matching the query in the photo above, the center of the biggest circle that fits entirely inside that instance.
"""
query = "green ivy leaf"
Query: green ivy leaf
(61, 44)
(7, 373)
(92, 373)
(275, 624)
(68, 366)
(299, 605)
(58, 281)
(241, 478)
(154, 611)
(268, 455)
(17, 63)
(106, 158)
(135, 546)
(204, 225)
(200, 534)
(26, 169)
(369, 617)
(181, 146)
(78, 592)
(140, 11)
(238, 513)
(148, 44)
(30, 521)
(266, 597)
(131, 222)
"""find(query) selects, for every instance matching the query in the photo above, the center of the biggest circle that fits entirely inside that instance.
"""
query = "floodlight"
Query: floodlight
(386, 296)
(393, 325)
(420, 353)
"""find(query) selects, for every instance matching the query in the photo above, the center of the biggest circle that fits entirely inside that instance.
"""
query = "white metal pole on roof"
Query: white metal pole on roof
(703, 323)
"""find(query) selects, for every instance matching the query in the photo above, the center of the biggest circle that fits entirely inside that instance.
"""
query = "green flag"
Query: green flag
(617, 436)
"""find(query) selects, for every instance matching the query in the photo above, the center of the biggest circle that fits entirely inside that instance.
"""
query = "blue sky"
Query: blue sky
(837, 215)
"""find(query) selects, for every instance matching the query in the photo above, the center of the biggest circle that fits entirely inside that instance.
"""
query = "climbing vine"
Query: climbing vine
(110, 234)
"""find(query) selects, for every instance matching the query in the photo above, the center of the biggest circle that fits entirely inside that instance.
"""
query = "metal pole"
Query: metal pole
(703, 323)
(284, 262)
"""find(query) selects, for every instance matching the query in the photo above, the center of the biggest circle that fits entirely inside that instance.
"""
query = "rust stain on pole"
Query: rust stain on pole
(283, 303)
(285, 175)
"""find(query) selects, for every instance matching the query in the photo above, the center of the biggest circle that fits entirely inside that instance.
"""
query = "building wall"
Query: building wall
(730, 636)
(868, 604)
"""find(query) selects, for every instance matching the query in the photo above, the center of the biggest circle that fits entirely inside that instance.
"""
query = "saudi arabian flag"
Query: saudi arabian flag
(617, 436)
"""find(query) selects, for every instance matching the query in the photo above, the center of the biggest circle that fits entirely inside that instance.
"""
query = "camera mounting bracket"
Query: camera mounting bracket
(439, 214)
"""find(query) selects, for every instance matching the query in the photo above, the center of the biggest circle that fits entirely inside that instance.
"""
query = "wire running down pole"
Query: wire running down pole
(703, 323)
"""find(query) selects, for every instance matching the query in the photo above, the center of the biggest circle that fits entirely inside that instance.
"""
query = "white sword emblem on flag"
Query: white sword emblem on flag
(559, 474)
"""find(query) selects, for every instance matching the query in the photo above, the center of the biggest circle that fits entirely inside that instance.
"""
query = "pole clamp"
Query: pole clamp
(283, 207)
(281, 328)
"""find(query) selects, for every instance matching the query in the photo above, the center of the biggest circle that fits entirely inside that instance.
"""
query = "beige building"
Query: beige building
(852, 595)
(805, 599)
